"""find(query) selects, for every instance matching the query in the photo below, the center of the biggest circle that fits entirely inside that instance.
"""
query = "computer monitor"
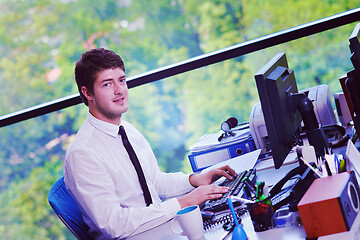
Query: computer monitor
(353, 77)
(355, 47)
(283, 123)
(284, 109)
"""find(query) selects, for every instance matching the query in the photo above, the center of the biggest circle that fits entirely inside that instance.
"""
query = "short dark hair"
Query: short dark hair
(92, 62)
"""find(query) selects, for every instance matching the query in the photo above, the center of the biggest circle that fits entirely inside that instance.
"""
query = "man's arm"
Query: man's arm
(94, 190)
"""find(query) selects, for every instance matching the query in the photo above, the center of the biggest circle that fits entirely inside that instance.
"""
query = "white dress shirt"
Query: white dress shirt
(100, 176)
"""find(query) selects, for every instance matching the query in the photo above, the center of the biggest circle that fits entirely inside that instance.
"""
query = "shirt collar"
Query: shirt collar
(108, 128)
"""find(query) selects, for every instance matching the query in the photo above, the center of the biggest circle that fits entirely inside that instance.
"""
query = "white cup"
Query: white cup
(191, 223)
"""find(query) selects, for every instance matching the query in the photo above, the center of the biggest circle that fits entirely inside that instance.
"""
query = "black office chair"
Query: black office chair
(65, 207)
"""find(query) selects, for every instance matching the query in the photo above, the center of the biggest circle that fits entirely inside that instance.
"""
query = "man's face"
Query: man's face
(110, 98)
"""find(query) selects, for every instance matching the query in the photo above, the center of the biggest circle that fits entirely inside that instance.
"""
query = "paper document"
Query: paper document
(210, 141)
(265, 164)
(240, 163)
(352, 158)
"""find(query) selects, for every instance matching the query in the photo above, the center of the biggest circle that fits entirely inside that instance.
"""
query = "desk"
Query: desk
(271, 176)
(163, 232)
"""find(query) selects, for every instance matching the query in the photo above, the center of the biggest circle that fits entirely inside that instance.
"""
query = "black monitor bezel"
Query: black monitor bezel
(354, 45)
(352, 82)
(280, 146)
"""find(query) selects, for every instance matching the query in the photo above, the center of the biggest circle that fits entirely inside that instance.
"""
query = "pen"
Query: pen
(244, 200)
(238, 232)
(337, 163)
(261, 188)
(327, 168)
(249, 184)
(311, 167)
(247, 193)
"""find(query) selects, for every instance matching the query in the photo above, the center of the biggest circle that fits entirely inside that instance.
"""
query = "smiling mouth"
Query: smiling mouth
(119, 99)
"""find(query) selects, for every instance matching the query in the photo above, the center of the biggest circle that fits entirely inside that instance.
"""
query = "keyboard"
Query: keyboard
(236, 186)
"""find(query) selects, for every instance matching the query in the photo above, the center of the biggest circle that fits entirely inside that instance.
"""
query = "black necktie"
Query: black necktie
(137, 165)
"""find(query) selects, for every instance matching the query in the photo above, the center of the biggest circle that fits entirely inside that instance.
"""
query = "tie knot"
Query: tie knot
(123, 135)
(122, 131)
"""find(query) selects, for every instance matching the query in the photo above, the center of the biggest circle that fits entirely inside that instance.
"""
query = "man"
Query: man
(97, 168)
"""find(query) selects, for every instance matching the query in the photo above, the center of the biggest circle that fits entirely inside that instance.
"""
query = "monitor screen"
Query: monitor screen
(276, 84)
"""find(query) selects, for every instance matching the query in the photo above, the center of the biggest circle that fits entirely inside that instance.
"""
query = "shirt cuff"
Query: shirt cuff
(171, 207)
(188, 185)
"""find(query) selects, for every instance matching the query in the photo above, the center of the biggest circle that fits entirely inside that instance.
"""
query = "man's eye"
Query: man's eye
(106, 84)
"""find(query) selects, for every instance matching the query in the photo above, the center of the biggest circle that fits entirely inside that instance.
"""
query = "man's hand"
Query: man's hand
(211, 176)
(201, 194)
(204, 190)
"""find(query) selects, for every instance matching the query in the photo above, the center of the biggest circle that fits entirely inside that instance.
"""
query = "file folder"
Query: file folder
(203, 159)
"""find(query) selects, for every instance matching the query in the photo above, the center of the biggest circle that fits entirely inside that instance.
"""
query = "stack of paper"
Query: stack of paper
(210, 141)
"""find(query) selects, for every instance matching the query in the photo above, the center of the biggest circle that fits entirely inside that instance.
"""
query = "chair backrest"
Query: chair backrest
(65, 207)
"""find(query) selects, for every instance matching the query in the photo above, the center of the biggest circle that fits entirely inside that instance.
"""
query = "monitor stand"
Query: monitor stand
(314, 132)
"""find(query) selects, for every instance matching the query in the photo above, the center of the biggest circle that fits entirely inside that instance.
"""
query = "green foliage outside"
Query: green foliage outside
(40, 41)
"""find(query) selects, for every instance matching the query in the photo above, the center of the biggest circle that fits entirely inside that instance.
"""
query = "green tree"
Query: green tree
(25, 211)
(40, 41)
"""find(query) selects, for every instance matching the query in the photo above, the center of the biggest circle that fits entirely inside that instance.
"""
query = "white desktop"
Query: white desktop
(264, 173)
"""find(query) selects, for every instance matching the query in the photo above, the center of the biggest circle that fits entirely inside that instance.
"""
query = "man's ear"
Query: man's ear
(86, 93)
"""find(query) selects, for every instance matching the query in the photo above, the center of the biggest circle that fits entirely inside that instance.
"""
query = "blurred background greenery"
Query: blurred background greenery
(40, 41)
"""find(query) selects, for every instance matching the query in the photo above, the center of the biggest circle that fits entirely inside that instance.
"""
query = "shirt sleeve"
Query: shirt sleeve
(92, 187)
